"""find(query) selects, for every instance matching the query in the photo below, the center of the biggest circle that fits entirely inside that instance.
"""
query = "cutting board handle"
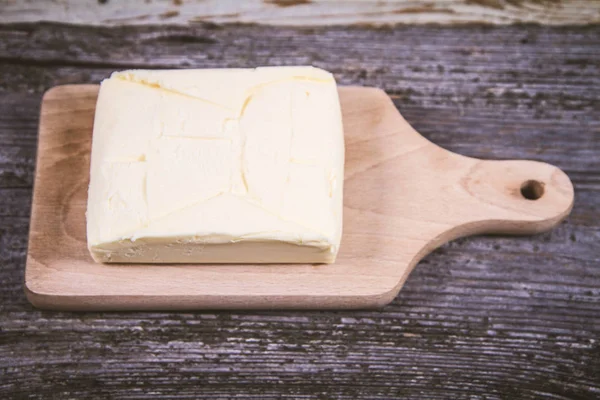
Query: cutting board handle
(514, 197)
(464, 196)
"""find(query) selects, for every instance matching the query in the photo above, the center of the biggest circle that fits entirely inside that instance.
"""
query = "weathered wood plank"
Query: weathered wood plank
(302, 12)
(487, 317)
(542, 80)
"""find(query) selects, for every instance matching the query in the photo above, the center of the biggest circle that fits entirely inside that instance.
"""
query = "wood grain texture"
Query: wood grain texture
(302, 12)
(479, 318)
(403, 197)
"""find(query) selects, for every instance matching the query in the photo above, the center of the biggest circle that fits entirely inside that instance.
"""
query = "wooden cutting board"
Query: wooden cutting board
(403, 197)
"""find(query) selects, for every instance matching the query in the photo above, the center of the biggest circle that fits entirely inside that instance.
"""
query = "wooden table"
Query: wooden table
(480, 318)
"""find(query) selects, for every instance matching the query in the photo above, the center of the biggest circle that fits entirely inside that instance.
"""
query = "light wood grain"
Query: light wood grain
(403, 197)
(302, 12)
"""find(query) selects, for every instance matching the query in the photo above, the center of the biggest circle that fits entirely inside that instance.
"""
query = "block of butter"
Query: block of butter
(217, 166)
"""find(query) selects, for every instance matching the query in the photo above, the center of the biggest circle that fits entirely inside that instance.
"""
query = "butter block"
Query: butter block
(217, 166)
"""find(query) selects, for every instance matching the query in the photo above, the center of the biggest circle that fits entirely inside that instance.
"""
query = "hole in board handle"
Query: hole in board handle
(532, 190)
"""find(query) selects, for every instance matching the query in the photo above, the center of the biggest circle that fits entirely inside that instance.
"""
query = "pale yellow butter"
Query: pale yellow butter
(217, 166)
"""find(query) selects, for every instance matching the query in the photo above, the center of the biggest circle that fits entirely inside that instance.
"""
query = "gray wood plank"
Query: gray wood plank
(302, 12)
(480, 318)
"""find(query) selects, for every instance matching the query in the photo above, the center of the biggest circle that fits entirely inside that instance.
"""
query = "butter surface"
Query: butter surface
(217, 166)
